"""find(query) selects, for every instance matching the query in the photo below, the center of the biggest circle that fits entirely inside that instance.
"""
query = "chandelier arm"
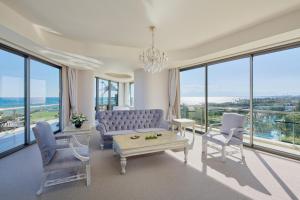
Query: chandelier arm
(153, 59)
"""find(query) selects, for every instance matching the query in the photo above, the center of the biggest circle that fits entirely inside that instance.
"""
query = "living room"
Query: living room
(149, 99)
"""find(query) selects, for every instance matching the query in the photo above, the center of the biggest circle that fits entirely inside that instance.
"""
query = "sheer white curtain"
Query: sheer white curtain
(173, 94)
(72, 86)
(65, 97)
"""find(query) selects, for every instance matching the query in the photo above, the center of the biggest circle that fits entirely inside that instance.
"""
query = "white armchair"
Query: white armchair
(66, 157)
(230, 134)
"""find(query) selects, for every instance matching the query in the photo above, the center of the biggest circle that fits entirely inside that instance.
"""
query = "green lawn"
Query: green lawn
(43, 116)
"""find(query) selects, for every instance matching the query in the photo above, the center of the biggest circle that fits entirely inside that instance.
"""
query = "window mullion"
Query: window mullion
(27, 100)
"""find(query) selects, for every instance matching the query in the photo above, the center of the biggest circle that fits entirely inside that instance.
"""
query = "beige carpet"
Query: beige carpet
(161, 176)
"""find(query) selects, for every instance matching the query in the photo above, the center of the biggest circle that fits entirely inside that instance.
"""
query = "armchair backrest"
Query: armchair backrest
(232, 120)
(45, 140)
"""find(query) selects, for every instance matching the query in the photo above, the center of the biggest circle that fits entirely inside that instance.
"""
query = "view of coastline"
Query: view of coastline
(12, 117)
(275, 117)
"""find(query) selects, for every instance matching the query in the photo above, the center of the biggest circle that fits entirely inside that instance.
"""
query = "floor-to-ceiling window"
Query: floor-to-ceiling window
(276, 100)
(114, 93)
(192, 95)
(44, 94)
(12, 101)
(107, 93)
(29, 92)
(103, 100)
(228, 90)
(262, 86)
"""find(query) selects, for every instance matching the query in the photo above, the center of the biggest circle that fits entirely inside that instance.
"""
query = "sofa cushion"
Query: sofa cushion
(220, 138)
(145, 130)
(123, 132)
(108, 135)
(64, 159)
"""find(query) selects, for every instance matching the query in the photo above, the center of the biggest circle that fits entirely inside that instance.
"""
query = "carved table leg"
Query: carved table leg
(186, 151)
(123, 165)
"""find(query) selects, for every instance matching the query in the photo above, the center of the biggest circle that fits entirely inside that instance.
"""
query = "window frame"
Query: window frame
(26, 67)
(250, 55)
(108, 105)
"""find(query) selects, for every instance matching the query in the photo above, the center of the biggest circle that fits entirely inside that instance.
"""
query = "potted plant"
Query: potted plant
(78, 119)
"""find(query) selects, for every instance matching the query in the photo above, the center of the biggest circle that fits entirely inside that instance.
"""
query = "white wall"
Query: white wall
(151, 90)
(85, 92)
(124, 94)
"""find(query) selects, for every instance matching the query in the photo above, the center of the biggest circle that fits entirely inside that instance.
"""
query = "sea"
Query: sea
(201, 100)
(229, 99)
(9, 102)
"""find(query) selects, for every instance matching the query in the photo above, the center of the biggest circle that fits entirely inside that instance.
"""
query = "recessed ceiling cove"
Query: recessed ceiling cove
(116, 31)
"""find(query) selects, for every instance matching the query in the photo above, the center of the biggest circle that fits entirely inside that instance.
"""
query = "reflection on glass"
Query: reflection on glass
(103, 94)
(44, 95)
(276, 115)
(114, 89)
(228, 90)
(192, 93)
(11, 101)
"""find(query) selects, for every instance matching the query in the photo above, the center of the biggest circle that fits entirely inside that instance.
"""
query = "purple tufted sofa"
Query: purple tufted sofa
(116, 122)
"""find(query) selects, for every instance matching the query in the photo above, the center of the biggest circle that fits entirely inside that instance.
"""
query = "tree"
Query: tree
(298, 107)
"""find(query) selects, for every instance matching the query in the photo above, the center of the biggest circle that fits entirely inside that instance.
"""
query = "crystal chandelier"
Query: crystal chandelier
(153, 59)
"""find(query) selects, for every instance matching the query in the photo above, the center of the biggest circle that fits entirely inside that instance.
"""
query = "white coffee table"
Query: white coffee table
(126, 147)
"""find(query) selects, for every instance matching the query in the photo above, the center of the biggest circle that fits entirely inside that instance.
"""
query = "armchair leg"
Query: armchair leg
(224, 153)
(204, 145)
(242, 151)
(88, 174)
(40, 191)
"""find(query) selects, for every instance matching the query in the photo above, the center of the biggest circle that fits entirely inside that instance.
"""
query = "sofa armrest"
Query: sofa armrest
(165, 125)
(101, 128)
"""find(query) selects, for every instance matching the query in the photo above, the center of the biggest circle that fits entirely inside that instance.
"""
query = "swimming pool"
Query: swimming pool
(273, 135)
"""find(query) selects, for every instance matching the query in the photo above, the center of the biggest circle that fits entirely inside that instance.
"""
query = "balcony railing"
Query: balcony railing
(269, 125)
(12, 123)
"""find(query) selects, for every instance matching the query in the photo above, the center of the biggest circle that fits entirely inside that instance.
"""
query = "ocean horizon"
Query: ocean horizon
(8, 102)
(224, 99)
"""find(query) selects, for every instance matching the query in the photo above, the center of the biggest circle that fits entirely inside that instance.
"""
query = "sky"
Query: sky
(274, 74)
(44, 79)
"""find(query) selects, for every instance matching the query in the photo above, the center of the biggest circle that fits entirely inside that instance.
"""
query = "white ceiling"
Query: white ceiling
(112, 32)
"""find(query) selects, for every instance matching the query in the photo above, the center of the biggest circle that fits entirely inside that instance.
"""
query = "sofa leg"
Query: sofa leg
(88, 174)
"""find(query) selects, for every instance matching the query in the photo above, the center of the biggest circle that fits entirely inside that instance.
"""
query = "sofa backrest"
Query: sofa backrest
(129, 119)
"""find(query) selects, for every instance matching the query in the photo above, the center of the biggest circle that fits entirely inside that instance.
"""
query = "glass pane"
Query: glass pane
(228, 91)
(103, 94)
(277, 100)
(192, 96)
(44, 95)
(11, 101)
(114, 90)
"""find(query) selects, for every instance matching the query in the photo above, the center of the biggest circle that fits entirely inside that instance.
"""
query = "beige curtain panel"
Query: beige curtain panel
(173, 94)
(72, 86)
